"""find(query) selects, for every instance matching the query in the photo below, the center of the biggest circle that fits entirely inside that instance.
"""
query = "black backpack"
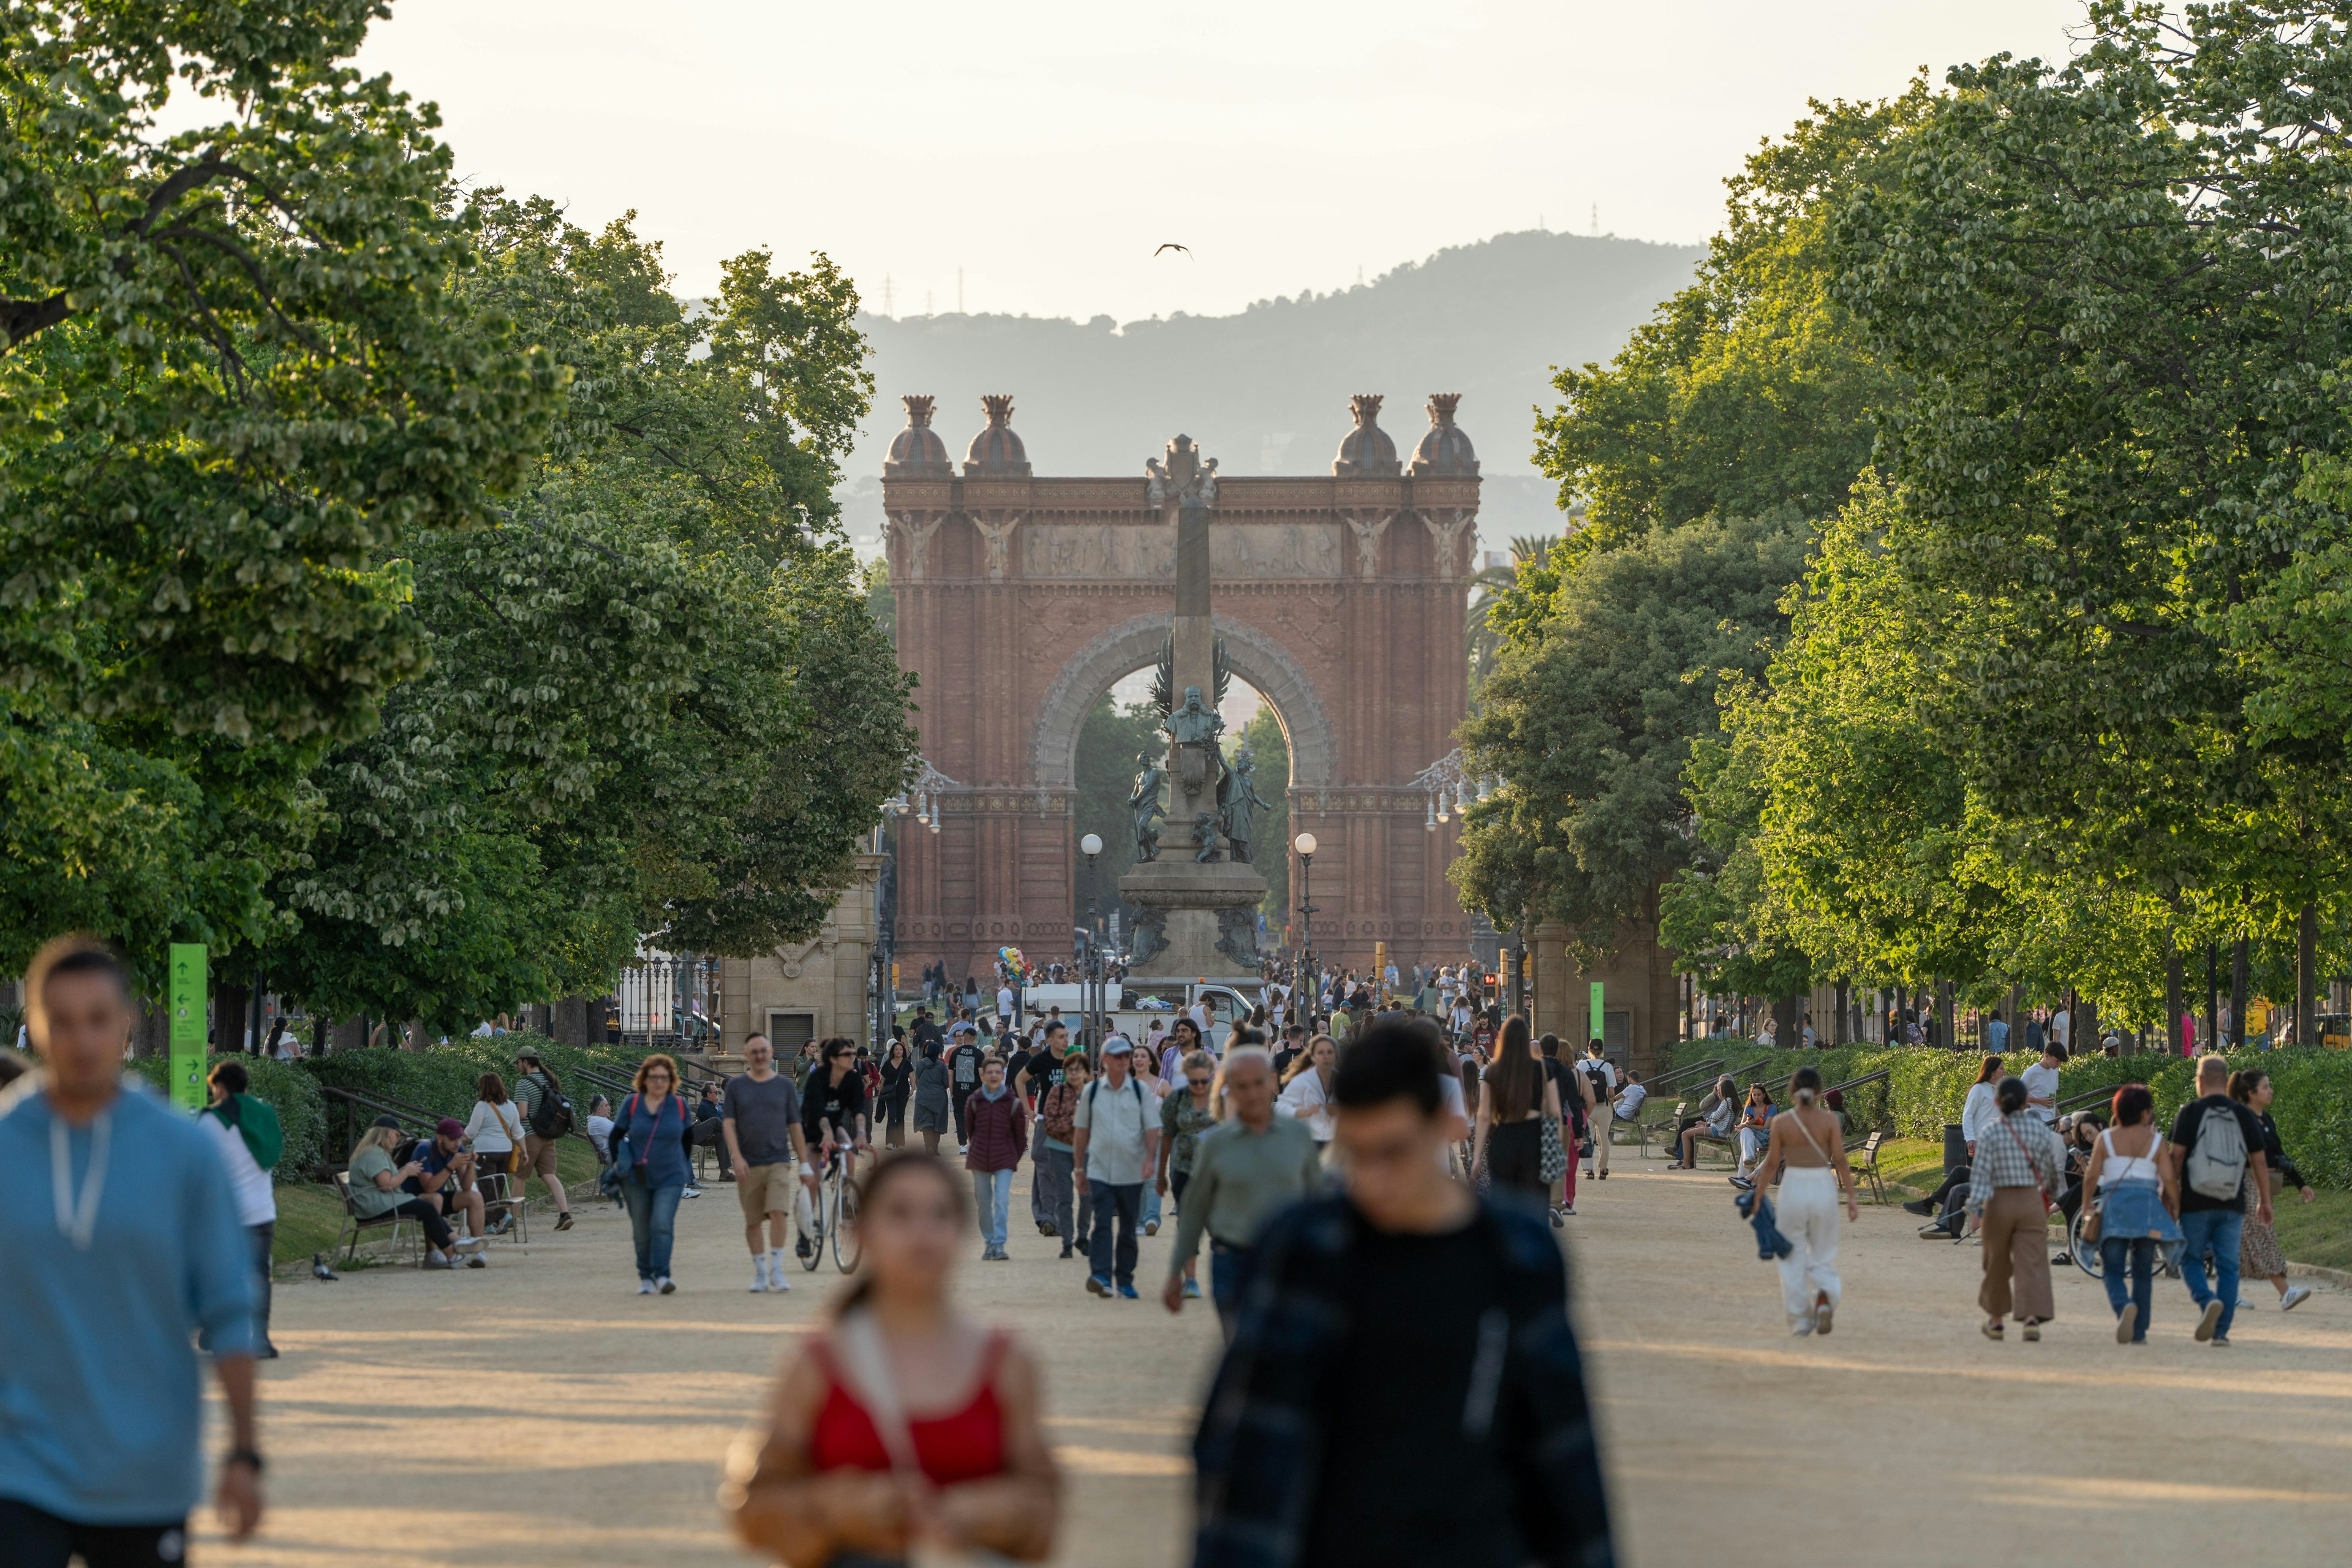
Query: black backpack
(553, 1118)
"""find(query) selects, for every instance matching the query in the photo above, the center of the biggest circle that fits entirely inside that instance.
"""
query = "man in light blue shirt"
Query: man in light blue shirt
(1996, 1035)
(123, 1244)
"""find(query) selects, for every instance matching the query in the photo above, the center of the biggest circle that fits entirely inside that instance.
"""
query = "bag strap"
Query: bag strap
(867, 1361)
(500, 1112)
(2009, 1128)
(1798, 1116)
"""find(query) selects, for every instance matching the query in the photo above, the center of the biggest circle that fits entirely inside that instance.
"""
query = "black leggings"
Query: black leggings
(1515, 1156)
(436, 1229)
(32, 1539)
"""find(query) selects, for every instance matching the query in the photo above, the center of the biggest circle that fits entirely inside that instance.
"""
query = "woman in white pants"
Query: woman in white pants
(1807, 1151)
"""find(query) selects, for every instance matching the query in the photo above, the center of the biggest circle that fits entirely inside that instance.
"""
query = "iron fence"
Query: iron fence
(666, 1001)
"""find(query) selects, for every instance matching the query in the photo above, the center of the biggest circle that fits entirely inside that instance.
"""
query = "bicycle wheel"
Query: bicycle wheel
(846, 1244)
(816, 1254)
(2085, 1253)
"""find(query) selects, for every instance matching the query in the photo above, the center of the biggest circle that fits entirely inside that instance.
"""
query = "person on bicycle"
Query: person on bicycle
(834, 1111)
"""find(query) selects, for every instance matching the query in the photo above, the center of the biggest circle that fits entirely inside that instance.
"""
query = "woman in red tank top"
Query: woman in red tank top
(904, 1424)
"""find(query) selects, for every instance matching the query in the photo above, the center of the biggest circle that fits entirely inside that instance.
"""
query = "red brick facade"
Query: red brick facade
(1020, 600)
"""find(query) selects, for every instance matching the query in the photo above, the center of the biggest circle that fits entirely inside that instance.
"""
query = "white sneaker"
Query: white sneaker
(664, 1285)
(645, 1286)
(2296, 1295)
(758, 1276)
(776, 1280)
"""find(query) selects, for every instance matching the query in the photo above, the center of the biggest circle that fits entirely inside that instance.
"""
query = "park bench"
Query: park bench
(1865, 1169)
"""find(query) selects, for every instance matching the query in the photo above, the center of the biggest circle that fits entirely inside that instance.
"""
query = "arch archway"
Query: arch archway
(1134, 644)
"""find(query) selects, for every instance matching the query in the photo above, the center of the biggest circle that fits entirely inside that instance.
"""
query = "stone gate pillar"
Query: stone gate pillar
(1549, 942)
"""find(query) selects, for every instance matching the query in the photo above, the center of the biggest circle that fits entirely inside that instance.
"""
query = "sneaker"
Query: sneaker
(758, 1276)
(692, 1191)
(1825, 1313)
(438, 1260)
(1800, 1327)
(499, 1226)
(645, 1286)
(1557, 1221)
(2209, 1321)
(563, 1220)
(1068, 1253)
(1097, 1285)
(2296, 1295)
(1937, 1233)
(1743, 1184)
(664, 1285)
(1126, 1291)
(2124, 1326)
(1151, 1228)
(470, 1243)
(2221, 1341)
(1191, 1289)
(2032, 1330)
(476, 1260)
(2062, 1260)
(801, 1247)
(776, 1280)
(1044, 1228)
(1570, 1210)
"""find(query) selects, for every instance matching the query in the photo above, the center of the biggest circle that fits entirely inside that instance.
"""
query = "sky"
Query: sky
(1028, 158)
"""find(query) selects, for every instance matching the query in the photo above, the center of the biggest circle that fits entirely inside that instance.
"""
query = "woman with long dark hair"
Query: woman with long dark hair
(897, 1083)
(2258, 1246)
(903, 1424)
(1515, 1096)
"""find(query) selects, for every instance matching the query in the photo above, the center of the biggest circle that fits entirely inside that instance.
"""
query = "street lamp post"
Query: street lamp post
(1308, 989)
(1090, 847)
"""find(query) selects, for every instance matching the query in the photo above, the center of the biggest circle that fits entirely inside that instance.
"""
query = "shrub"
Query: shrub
(442, 1079)
(293, 1094)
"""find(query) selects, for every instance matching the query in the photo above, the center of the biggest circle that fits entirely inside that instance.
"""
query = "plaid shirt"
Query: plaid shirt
(2016, 1150)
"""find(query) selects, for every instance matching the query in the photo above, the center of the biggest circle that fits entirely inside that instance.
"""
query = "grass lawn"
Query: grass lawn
(309, 1214)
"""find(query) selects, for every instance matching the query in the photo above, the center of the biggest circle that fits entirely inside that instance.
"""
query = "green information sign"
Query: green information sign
(189, 968)
(1597, 1014)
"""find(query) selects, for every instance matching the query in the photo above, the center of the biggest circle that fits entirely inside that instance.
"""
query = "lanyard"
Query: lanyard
(77, 1217)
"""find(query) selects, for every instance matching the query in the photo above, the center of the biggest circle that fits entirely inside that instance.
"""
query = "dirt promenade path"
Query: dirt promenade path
(540, 1412)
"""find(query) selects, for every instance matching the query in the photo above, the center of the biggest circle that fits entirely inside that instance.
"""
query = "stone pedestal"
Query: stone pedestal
(1194, 907)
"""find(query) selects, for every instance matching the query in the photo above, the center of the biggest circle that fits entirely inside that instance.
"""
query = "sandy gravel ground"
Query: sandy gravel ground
(539, 1411)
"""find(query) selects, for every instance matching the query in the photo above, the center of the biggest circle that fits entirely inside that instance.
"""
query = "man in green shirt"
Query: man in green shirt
(1246, 1170)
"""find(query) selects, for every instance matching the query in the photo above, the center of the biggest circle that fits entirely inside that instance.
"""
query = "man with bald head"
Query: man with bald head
(1249, 1167)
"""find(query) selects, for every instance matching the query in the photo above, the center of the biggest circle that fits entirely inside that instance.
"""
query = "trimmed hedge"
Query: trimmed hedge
(1927, 1088)
(442, 1079)
(292, 1093)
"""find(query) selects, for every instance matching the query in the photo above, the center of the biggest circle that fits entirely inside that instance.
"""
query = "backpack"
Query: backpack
(2217, 1165)
(553, 1118)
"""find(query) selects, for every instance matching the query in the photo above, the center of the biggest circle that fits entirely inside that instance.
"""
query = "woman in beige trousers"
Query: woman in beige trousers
(2018, 1160)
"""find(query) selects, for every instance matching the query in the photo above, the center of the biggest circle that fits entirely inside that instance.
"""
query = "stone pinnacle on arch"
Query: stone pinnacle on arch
(996, 453)
(917, 452)
(1445, 449)
(1366, 452)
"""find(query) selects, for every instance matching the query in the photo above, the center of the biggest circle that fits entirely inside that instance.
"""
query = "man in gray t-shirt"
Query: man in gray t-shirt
(762, 1126)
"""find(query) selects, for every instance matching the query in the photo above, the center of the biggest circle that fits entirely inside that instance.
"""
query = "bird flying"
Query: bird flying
(1171, 244)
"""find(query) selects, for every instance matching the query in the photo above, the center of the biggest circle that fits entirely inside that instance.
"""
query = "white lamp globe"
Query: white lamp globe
(1090, 845)
(1304, 843)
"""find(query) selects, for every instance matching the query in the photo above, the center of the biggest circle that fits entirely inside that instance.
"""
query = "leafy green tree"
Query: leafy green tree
(1751, 393)
(1108, 743)
(1591, 712)
(1270, 849)
(234, 379)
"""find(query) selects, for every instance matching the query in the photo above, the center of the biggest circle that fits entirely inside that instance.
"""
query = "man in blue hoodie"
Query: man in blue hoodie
(123, 1244)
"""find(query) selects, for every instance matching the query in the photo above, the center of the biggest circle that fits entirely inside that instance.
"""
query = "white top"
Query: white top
(486, 1133)
(2062, 1025)
(1629, 1103)
(1608, 1068)
(600, 1134)
(2128, 1167)
(1304, 1098)
(1116, 1121)
(1450, 1103)
(1980, 1113)
(1004, 1000)
(255, 1203)
(2042, 1083)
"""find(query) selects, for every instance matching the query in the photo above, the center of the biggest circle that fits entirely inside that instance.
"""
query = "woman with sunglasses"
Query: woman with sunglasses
(1184, 1115)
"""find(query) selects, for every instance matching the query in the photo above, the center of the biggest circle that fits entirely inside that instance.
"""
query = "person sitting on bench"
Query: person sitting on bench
(1716, 1113)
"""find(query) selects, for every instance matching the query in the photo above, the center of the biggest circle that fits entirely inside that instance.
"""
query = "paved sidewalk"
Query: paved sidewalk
(539, 1411)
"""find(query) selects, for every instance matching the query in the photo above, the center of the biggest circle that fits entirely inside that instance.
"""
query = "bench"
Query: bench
(356, 1225)
(1865, 1169)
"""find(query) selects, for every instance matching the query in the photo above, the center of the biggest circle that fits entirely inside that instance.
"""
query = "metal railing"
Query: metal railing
(666, 1001)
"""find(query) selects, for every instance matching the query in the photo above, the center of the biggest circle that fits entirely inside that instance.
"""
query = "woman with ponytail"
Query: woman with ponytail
(904, 1424)
(1806, 1150)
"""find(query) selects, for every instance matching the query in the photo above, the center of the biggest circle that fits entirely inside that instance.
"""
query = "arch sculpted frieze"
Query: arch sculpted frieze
(1238, 551)
(1256, 657)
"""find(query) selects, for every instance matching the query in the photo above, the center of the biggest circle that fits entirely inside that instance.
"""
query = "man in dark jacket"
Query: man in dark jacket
(1448, 1422)
(999, 1124)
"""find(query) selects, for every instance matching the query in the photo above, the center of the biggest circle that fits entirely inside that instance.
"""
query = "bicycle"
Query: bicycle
(836, 1215)
(2086, 1254)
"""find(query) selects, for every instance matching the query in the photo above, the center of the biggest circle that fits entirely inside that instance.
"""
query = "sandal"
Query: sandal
(1990, 1330)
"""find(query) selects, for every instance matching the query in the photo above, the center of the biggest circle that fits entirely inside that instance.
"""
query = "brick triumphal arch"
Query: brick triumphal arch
(1022, 599)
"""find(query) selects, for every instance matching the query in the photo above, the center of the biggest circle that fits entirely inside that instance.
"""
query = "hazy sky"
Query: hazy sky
(1045, 148)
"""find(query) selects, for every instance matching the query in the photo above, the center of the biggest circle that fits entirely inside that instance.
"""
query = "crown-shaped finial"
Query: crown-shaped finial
(918, 407)
(1366, 407)
(1441, 406)
(999, 406)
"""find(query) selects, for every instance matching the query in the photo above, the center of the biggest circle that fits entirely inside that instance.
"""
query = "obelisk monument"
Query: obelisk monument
(1200, 902)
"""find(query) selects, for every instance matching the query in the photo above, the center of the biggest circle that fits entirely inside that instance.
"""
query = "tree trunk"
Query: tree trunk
(2213, 998)
(2238, 992)
(1841, 1033)
(230, 1002)
(2306, 975)
(2173, 1011)
(1784, 1022)
(571, 1021)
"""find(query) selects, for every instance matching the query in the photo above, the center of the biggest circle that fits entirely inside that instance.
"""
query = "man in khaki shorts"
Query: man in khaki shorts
(762, 1124)
(534, 1085)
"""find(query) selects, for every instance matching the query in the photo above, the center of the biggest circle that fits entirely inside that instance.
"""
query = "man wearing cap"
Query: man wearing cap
(1117, 1138)
(447, 1179)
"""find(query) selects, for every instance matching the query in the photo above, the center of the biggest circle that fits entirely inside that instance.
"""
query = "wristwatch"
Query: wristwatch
(250, 1456)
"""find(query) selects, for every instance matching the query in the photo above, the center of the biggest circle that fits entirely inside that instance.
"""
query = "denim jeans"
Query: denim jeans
(991, 1199)
(1228, 1273)
(2137, 1252)
(1150, 1201)
(2221, 1229)
(1117, 1203)
(652, 1221)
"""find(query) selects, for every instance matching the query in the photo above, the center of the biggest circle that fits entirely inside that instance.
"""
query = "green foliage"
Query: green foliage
(1749, 393)
(444, 1079)
(1107, 743)
(291, 1092)
(1591, 712)
(234, 380)
(1270, 752)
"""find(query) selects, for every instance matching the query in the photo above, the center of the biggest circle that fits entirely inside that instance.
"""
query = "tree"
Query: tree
(234, 379)
(1591, 712)
(1270, 847)
(1751, 393)
(660, 704)
(1109, 742)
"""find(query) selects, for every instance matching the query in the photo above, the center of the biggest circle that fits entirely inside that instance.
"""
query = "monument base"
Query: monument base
(1199, 919)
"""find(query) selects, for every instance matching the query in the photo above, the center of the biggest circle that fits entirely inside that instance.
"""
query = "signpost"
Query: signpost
(1596, 1031)
(189, 975)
